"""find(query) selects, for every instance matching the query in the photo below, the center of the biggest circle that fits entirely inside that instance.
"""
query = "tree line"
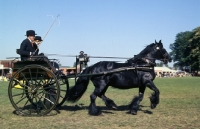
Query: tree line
(186, 50)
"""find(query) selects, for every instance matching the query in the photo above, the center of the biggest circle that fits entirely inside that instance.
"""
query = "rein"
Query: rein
(140, 68)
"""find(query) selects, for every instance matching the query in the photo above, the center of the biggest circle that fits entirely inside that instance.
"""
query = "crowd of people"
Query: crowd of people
(173, 74)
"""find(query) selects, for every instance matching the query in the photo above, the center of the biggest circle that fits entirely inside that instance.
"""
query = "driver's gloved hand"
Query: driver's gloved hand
(33, 53)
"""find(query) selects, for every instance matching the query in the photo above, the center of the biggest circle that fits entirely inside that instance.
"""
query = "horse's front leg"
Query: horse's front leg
(134, 105)
(155, 96)
(109, 102)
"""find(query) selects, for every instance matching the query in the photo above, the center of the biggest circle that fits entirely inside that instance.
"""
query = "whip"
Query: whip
(48, 30)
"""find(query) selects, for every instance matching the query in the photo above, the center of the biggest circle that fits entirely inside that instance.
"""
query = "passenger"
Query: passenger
(38, 40)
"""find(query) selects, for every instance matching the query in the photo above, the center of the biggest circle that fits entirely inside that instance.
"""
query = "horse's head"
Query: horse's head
(160, 53)
(152, 52)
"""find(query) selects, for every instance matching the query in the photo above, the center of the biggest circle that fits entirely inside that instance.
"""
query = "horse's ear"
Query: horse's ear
(160, 44)
(155, 41)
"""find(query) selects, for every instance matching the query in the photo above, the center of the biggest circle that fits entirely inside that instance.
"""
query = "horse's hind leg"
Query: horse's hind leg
(109, 102)
(100, 89)
(134, 106)
(93, 110)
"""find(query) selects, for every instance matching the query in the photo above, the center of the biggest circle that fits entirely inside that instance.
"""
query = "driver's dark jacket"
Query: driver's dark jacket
(26, 47)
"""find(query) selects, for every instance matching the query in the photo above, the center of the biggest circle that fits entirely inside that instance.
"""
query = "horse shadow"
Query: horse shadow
(104, 109)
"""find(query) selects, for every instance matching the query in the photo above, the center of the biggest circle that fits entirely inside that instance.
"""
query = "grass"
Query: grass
(178, 109)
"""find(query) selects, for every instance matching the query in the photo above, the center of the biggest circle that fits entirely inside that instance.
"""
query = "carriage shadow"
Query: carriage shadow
(52, 113)
(104, 109)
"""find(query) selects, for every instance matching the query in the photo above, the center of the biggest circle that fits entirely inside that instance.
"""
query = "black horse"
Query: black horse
(141, 76)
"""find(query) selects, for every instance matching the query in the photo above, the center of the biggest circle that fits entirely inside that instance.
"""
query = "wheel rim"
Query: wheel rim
(64, 89)
(34, 90)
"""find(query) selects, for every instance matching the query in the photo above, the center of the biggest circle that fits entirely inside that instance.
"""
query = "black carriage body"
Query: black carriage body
(35, 72)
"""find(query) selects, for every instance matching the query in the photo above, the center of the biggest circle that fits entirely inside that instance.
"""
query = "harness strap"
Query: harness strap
(148, 61)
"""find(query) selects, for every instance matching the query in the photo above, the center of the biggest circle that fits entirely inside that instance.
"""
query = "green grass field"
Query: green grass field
(179, 108)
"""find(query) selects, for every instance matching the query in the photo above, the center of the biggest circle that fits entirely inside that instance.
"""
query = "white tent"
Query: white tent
(164, 69)
(4, 70)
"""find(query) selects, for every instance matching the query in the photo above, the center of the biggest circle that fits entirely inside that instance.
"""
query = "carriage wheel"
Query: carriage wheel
(64, 89)
(34, 90)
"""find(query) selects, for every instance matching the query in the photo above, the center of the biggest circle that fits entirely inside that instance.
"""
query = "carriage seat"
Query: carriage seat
(17, 51)
(52, 64)
(29, 59)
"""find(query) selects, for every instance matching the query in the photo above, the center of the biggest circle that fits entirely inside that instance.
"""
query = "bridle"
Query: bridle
(165, 55)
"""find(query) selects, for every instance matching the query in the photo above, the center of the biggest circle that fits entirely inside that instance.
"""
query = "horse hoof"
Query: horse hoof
(114, 107)
(133, 112)
(153, 106)
(97, 113)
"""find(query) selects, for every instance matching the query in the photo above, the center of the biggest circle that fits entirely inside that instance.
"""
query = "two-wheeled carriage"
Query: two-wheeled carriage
(38, 86)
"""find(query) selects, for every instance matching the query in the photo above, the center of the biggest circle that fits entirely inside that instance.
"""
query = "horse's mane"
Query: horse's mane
(146, 50)
(143, 53)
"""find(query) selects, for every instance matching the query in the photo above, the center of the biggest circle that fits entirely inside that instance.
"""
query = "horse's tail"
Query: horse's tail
(80, 87)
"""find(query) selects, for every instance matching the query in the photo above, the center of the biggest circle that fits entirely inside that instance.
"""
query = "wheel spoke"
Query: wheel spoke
(49, 87)
(25, 78)
(21, 84)
(61, 96)
(50, 93)
(19, 94)
(21, 100)
(31, 75)
(41, 100)
(25, 104)
(64, 90)
(38, 106)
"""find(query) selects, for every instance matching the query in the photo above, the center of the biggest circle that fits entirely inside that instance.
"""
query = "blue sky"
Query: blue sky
(119, 28)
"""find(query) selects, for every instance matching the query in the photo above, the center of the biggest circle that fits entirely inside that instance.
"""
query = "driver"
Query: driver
(28, 46)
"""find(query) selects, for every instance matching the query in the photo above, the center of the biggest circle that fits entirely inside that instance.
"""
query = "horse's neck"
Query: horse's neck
(142, 60)
(145, 57)
(140, 57)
